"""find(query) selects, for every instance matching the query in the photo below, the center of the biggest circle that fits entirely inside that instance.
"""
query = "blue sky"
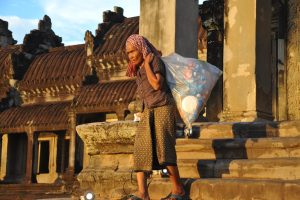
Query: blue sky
(70, 18)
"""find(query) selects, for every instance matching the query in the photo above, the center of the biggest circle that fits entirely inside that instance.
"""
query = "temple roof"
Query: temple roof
(111, 53)
(61, 66)
(39, 117)
(6, 67)
(105, 97)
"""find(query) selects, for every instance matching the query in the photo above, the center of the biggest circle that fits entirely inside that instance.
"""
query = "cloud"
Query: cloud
(71, 18)
(20, 26)
(74, 42)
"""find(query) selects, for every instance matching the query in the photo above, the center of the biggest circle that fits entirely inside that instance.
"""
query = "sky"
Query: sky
(70, 18)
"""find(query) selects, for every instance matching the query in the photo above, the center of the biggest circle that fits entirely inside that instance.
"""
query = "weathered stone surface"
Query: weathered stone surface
(246, 129)
(41, 40)
(6, 37)
(293, 59)
(107, 184)
(98, 137)
(242, 148)
(110, 157)
(241, 189)
(109, 148)
(33, 191)
(247, 92)
(273, 168)
(177, 21)
(159, 188)
(228, 189)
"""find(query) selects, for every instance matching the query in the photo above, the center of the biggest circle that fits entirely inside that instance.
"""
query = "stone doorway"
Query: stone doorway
(45, 158)
(16, 158)
(278, 62)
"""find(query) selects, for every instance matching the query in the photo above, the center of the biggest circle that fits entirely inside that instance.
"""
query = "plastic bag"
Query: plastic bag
(191, 82)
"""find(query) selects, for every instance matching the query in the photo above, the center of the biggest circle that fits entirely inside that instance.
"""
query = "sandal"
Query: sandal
(176, 197)
(133, 197)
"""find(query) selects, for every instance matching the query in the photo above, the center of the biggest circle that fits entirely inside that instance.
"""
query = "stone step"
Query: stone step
(215, 130)
(238, 148)
(229, 189)
(31, 188)
(33, 191)
(29, 196)
(273, 168)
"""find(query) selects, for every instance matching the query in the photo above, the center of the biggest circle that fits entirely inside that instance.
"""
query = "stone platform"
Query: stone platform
(257, 160)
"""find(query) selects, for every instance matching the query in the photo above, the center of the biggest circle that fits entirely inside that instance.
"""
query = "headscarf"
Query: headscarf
(141, 44)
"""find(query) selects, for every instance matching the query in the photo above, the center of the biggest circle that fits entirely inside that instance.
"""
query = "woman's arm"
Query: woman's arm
(155, 80)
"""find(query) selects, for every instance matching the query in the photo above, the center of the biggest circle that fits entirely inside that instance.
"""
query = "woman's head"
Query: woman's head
(137, 48)
(135, 56)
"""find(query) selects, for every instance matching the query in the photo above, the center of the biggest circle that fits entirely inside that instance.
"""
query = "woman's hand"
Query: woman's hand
(155, 80)
(149, 58)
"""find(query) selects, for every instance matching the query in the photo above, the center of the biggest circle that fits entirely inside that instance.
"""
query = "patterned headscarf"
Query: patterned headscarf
(141, 44)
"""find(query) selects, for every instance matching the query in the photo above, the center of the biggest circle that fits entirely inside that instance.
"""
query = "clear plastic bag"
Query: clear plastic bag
(191, 82)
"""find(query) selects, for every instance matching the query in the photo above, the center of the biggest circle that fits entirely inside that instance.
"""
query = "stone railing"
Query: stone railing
(108, 158)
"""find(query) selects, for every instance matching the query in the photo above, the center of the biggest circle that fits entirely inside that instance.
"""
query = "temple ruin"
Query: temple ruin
(66, 112)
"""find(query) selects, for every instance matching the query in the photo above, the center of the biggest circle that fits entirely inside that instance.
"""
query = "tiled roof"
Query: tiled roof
(61, 66)
(67, 65)
(6, 68)
(112, 51)
(105, 97)
(46, 116)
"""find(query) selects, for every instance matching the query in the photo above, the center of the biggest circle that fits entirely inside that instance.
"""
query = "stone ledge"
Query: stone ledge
(98, 137)
(273, 168)
(215, 130)
(228, 189)
(238, 148)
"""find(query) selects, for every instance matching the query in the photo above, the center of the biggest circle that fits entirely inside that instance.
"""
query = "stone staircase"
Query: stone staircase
(226, 161)
(33, 192)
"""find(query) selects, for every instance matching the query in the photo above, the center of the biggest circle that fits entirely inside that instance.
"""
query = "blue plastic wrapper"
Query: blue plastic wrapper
(191, 82)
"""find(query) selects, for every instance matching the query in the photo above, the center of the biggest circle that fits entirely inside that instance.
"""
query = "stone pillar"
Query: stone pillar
(3, 156)
(247, 94)
(29, 156)
(293, 59)
(72, 133)
(171, 25)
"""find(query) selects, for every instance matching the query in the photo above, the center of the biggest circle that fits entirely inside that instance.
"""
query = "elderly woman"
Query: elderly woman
(154, 146)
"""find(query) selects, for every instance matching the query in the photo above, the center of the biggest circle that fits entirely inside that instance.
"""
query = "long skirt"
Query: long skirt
(154, 146)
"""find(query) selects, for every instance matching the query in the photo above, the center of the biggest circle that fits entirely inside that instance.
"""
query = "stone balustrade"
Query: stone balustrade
(108, 158)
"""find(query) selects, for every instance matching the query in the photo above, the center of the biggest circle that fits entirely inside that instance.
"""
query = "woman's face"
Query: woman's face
(134, 56)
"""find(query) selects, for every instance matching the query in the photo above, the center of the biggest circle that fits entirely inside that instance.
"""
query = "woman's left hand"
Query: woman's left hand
(149, 58)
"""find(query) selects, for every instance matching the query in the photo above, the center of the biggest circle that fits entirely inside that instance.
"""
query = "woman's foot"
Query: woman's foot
(173, 196)
(139, 196)
(179, 190)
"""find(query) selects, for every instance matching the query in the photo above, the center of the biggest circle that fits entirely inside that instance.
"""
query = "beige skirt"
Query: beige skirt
(154, 146)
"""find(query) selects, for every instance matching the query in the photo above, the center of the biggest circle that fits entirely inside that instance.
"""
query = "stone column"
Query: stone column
(247, 94)
(72, 133)
(171, 25)
(293, 59)
(3, 156)
(29, 156)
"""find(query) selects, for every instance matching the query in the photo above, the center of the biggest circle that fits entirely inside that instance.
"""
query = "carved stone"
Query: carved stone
(6, 37)
(109, 148)
(39, 41)
(98, 137)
